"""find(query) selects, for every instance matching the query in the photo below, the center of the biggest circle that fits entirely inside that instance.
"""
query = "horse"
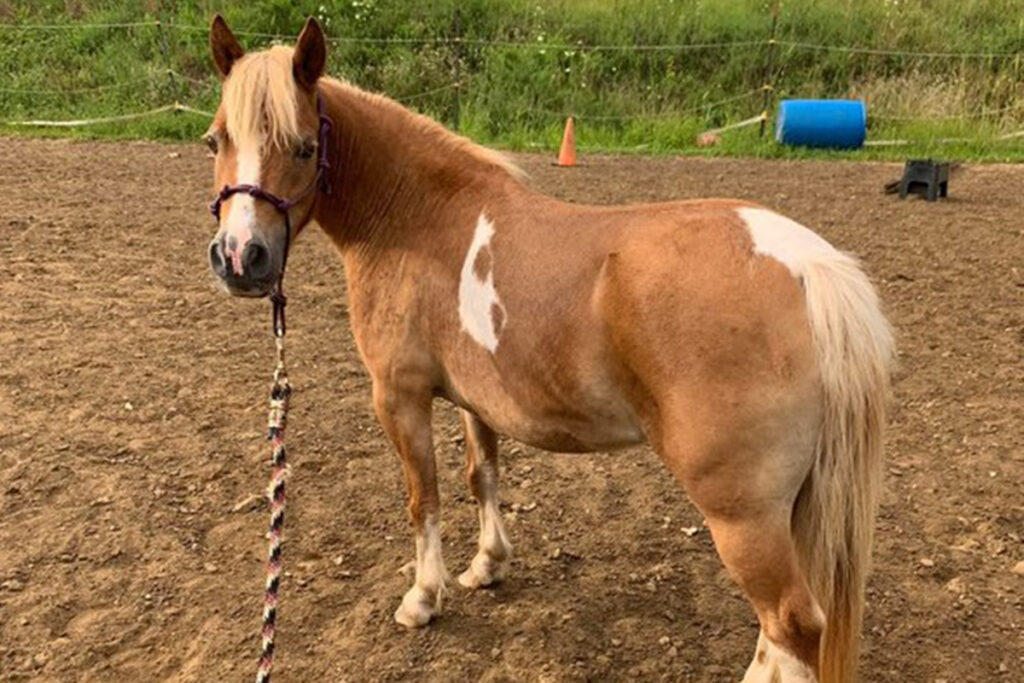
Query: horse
(747, 351)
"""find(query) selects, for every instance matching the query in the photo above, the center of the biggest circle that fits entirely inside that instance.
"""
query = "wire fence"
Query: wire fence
(77, 26)
(896, 53)
(773, 55)
(74, 123)
(533, 45)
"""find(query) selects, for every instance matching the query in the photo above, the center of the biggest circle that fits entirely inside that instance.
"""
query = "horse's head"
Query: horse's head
(266, 137)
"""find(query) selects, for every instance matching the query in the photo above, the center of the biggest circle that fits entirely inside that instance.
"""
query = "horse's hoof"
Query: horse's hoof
(482, 572)
(416, 609)
(469, 579)
(413, 618)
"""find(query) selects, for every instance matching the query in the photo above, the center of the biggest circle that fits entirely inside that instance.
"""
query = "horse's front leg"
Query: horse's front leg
(405, 415)
(482, 476)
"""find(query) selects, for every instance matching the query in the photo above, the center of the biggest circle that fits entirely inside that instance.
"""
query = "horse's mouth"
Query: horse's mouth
(245, 287)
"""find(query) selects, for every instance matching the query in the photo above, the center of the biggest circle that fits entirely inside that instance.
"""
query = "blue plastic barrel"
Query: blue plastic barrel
(822, 123)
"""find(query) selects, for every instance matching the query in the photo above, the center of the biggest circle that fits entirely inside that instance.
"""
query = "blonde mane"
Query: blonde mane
(260, 100)
(261, 106)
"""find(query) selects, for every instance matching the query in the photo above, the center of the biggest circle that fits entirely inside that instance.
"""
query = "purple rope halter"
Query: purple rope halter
(321, 182)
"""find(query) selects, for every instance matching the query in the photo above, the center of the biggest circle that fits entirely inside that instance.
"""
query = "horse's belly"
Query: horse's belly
(606, 436)
(591, 423)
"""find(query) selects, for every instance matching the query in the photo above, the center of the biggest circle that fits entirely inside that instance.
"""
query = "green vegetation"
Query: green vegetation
(525, 64)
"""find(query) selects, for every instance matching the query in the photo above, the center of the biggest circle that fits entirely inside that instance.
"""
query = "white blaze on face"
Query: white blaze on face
(784, 240)
(480, 310)
(241, 218)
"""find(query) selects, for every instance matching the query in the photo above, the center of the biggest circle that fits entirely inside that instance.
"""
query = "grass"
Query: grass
(516, 97)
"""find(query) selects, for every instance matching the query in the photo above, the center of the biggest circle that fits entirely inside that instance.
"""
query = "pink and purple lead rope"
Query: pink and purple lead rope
(279, 393)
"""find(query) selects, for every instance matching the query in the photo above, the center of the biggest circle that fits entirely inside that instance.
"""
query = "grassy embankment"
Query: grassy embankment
(516, 96)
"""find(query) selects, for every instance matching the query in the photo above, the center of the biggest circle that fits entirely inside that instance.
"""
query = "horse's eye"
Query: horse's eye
(306, 149)
(211, 142)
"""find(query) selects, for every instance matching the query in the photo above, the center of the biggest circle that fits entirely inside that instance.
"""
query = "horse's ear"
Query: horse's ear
(310, 55)
(224, 46)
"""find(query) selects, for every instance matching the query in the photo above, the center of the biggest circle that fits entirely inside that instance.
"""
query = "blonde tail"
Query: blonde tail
(834, 515)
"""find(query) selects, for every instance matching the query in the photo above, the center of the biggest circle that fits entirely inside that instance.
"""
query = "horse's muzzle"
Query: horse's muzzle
(249, 273)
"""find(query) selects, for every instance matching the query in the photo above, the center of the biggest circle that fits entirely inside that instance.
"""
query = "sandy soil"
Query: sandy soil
(133, 402)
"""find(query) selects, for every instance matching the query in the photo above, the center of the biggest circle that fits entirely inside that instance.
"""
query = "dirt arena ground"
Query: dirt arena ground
(132, 395)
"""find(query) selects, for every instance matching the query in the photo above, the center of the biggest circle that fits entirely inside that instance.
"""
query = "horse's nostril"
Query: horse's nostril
(256, 260)
(217, 260)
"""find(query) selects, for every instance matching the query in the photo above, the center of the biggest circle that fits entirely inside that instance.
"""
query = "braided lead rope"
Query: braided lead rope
(279, 394)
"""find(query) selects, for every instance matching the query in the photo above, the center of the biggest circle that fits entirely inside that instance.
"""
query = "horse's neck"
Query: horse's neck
(397, 181)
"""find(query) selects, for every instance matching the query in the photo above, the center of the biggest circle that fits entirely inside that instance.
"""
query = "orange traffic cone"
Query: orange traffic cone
(567, 155)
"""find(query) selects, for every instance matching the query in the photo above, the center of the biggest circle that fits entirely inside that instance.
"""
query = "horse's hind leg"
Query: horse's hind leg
(482, 476)
(759, 553)
(746, 488)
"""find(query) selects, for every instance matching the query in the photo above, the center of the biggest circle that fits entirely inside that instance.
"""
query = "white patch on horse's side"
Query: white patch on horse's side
(477, 296)
(242, 214)
(784, 239)
(769, 658)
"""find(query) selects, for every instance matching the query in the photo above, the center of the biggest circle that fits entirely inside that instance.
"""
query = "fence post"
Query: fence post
(769, 70)
(165, 48)
(456, 43)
